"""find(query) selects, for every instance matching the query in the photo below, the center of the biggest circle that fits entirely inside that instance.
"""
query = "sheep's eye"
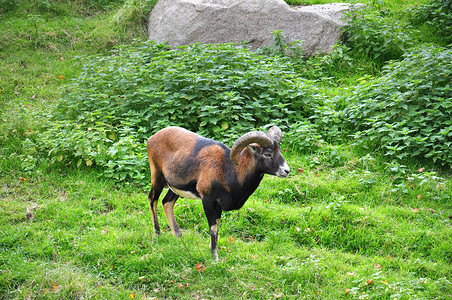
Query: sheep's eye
(267, 155)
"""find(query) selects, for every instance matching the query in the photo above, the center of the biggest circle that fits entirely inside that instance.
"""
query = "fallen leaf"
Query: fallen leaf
(387, 244)
(156, 290)
(132, 296)
(431, 210)
(180, 285)
(231, 239)
(61, 77)
(34, 96)
(200, 267)
(351, 273)
(347, 290)
(369, 281)
(22, 179)
(171, 281)
(278, 296)
(419, 196)
(104, 232)
(56, 288)
(141, 277)
(62, 58)
(415, 210)
(385, 282)
(377, 266)
(132, 252)
(316, 174)
(300, 171)
(420, 170)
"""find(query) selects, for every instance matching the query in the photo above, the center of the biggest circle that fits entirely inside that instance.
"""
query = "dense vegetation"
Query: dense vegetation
(366, 212)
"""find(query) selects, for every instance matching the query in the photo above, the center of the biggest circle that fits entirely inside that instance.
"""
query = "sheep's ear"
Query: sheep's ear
(255, 149)
(276, 134)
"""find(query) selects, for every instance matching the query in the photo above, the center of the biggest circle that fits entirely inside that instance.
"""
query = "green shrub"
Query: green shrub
(303, 137)
(438, 14)
(8, 5)
(408, 111)
(280, 47)
(370, 33)
(134, 12)
(221, 91)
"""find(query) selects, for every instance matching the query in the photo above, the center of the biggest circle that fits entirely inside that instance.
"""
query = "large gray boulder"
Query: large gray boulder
(185, 22)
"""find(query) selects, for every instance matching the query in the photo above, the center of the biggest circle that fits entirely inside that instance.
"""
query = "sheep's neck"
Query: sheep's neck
(248, 179)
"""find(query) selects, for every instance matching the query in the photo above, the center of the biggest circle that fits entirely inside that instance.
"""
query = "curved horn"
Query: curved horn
(258, 137)
(275, 133)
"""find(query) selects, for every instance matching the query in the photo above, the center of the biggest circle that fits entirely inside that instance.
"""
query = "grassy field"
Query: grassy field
(345, 224)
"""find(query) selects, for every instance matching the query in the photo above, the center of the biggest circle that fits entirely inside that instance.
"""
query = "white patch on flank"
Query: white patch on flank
(183, 194)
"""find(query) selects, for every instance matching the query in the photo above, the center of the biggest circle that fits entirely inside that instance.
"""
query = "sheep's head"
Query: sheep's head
(265, 147)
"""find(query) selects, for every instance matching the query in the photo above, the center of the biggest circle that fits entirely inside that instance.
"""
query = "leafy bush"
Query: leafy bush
(280, 47)
(438, 14)
(303, 137)
(369, 33)
(7, 5)
(408, 111)
(134, 12)
(220, 91)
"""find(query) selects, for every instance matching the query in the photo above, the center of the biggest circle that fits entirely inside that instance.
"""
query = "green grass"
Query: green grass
(310, 235)
(341, 226)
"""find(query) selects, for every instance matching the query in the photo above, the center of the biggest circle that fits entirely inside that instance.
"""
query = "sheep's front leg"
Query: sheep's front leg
(213, 214)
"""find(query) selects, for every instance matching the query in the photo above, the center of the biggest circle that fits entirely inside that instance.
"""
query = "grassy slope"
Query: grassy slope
(332, 226)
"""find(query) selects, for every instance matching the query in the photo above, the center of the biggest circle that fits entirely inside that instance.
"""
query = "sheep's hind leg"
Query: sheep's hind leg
(168, 207)
(157, 183)
(153, 200)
